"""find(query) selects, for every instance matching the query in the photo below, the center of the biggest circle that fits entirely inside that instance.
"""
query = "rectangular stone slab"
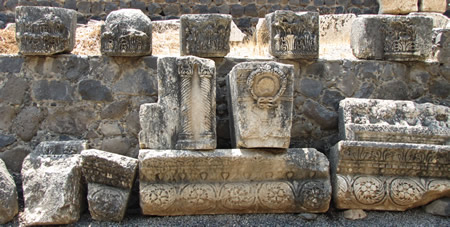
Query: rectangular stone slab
(261, 103)
(205, 35)
(293, 35)
(185, 115)
(393, 121)
(388, 176)
(174, 182)
(394, 38)
(45, 30)
(397, 6)
(52, 189)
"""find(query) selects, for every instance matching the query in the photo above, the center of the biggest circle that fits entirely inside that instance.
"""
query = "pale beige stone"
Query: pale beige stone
(180, 182)
(397, 6)
(355, 214)
(439, 6)
(335, 34)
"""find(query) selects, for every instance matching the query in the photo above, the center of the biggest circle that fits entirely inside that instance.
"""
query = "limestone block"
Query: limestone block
(260, 102)
(335, 30)
(439, 6)
(388, 176)
(441, 45)
(52, 189)
(126, 32)
(60, 147)
(185, 115)
(293, 35)
(439, 20)
(205, 35)
(174, 182)
(110, 178)
(45, 30)
(9, 206)
(393, 121)
(395, 38)
(397, 6)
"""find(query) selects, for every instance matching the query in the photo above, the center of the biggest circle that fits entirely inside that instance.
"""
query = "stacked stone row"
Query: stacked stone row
(180, 170)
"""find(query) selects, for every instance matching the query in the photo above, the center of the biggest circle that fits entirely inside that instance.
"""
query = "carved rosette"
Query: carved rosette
(405, 191)
(237, 196)
(276, 195)
(158, 196)
(199, 197)
(266, 85)
(368, 190)
(106, 201)
(313, 195)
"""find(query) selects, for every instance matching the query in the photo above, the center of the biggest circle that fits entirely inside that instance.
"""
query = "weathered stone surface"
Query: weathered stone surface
(60, 147)
(355, 214)
(441, 45)
(327, 119)
(9, 206)
(27, 122)
(293, 35)
(13, 158)
(398, 38)
(115, 109)
(6, 140)
(439, 6)
(439, 207)
(397, 6)
(94, 90)
(52, 189)
(126, 32)
(52, 90)
(205, 35)
(174, 182)
(110, 178)
(262, 32)
(13, 90)
(335, 35)
(184, 119)
(236, 35)
(261, 103)
(45, 30)
(394, 121)
(388, 176)
(439, 20)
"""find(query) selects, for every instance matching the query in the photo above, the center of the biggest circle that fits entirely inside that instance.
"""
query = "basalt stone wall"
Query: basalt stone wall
(244, 12)
(66, 97)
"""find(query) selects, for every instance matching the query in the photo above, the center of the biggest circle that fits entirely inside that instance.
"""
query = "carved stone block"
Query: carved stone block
(126, 32)
(388, 176)
(397, 6)
(397, 38)
(185, 115)
(261, 102)
(205, 35)
(45, 30)
(293, 35)
(52, 189)
(441, 45)
(393, 121)
(174, 182)
(60, 147)
(9, 206)
(110, 178)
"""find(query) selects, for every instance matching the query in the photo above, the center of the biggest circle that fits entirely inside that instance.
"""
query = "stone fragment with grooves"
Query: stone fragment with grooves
(126, 32)
(110, 178)
(205, 35)
(261, 104)
(293, 35)
(45, 30)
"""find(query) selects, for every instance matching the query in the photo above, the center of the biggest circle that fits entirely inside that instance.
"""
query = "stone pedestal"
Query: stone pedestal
(394, 38)
(9, 206)
(260, 102)
(174, 182)
(293, 35)
(45, 30)
(185, 115)
(110, 178)
(127, 32)
(388, 159)
(205, 35)
(52, 189)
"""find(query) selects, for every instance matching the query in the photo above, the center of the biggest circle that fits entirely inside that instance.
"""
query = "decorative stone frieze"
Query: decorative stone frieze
(110, 178)
(52, 189)
(45, 30)
(293, 35)
(174, 182)
(185, 115)
(393, 121)
(260, 103)
(126, 32)
(396, 38)
(205, 35)
(388, 176)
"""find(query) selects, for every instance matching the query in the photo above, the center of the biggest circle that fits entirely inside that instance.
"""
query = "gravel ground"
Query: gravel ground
(414, 217)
